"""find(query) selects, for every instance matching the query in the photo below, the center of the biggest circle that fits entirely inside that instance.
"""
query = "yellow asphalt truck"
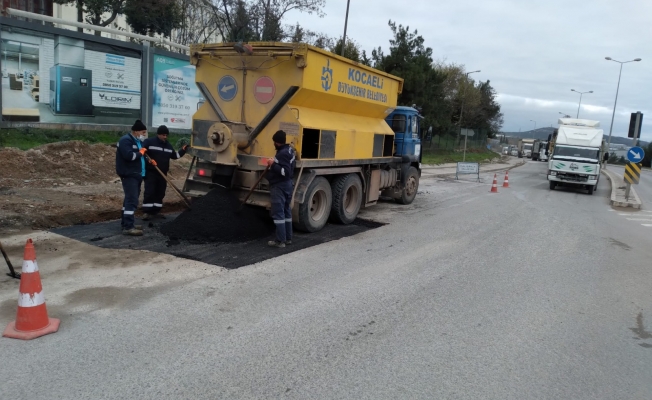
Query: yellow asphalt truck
(353, 143)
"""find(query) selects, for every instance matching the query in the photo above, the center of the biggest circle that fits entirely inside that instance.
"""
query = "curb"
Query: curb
(618, 195)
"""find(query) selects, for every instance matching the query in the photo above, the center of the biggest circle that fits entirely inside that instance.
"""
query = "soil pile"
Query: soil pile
(63, 164)
(215, 218)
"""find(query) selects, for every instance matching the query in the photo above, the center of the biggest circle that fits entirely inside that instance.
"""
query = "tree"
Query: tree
(199, 23)
(149, 17)
(96, 9)
(259, 20)
(351, 50)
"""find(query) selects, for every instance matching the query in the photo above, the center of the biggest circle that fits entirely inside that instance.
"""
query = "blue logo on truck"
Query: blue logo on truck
(327, 76)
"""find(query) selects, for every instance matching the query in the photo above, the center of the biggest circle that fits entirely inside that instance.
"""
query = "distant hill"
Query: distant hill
(542, 134)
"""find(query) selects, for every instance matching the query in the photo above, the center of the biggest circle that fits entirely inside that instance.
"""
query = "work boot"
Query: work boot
(146, 217)
(132, 232)
(274, 243)
(139, 227)
(288, 242)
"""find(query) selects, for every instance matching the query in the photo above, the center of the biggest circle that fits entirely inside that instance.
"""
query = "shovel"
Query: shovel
(12, 273)
(252, 189)
(183, 197)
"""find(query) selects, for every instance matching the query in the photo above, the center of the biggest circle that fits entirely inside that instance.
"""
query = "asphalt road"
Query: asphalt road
(524, 294)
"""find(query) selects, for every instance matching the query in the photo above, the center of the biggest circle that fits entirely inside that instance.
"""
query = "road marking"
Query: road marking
(639, 219)
(648, 225)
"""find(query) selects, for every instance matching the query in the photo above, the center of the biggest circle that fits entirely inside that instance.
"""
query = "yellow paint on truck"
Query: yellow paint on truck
(334, 94)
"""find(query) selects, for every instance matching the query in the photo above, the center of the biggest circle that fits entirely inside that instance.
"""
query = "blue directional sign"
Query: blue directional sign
(227, 88)
(635, 154)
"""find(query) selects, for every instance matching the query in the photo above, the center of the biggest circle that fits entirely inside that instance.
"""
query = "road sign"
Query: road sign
(635, 124)
(468, 168)
(635, 154)
(467, 132)
(227, 88)
(632, 173)
(264, 89)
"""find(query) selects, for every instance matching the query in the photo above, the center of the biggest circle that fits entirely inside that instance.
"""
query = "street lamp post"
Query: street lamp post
(578, 106)
(346, 22)
(462, 113)
(535, 124)
(613, 114)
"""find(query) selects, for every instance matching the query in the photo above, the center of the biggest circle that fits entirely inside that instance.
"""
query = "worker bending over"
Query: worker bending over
(279, 176)
(160, 152)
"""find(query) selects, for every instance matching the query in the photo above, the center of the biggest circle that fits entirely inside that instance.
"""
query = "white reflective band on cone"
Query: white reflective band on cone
(29, 267)
(158, 205)
(31, 299)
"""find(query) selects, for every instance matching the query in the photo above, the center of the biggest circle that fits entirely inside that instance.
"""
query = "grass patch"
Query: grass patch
(28, 138)
(452, 156)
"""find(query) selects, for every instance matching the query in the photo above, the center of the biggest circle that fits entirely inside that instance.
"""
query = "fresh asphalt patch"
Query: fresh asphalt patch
(228, 255)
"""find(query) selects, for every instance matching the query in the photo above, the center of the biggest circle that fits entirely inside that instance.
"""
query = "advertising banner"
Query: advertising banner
(58, 79)
(176, 96)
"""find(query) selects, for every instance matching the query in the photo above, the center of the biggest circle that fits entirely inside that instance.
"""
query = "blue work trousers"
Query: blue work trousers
(131, 187)
(281, 194)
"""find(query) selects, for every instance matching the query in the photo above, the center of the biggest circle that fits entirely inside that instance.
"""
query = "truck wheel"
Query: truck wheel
(313, 213)
(553, 184)
(591, 189)
(410, 188)
(347, 199)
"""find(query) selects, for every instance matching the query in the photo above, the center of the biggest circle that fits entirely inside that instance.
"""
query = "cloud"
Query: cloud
(533, 51)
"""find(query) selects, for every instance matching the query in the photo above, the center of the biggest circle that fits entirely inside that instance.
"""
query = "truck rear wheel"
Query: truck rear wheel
(347, 198)
(410, 187)
(312, 215)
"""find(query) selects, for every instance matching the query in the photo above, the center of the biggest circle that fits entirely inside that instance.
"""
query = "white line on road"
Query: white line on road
(639, 219)
(648, 225)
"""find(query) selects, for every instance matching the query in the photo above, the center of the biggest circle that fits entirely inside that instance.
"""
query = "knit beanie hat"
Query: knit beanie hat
(279, 137)
(138, 126)
(162, 130)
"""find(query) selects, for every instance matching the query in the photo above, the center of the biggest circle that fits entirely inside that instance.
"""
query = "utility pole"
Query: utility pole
(346, 22)
(462, 112)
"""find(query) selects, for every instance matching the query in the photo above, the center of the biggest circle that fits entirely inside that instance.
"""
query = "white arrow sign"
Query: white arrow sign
(227, 88)
(637, 156)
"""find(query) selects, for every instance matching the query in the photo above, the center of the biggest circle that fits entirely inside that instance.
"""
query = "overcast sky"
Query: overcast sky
(533, 51)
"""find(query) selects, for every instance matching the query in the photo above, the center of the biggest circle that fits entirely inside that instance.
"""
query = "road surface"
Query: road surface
(524, 294)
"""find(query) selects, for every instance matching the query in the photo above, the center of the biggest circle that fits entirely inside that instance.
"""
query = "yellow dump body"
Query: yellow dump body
(331, 108)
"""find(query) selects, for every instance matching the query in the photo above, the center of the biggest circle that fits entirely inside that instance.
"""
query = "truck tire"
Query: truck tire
(553, 184)
(313, 213)
(410, 187)
(591, 189)
(347, 198)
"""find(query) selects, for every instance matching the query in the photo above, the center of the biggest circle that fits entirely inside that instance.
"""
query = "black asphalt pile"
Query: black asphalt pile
(215, 218)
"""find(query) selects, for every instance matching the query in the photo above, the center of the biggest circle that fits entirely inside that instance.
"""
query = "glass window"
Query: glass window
(399, 123)
(415, 127)
(580, 152)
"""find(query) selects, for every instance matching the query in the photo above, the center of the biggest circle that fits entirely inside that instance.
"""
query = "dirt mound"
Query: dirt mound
(215, 218)
(58, 163)
(61, 164)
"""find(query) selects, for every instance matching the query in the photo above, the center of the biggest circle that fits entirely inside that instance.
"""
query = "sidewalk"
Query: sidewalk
(618, 191)
(449, 169)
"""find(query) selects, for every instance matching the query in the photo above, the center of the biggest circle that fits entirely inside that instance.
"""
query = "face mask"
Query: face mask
(142, 138)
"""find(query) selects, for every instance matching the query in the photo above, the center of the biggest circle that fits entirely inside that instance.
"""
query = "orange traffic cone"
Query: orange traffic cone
(32, 316)
(494, 186)
(506, 183)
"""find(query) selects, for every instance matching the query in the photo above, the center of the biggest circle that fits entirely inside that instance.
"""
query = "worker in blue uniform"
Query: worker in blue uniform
(130, 167)
(160, 151)
(279, 176)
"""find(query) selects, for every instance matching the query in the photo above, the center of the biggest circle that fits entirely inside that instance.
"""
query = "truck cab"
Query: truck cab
(405, 122)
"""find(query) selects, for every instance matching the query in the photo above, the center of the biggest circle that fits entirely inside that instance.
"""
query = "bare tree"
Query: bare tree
(200, 23)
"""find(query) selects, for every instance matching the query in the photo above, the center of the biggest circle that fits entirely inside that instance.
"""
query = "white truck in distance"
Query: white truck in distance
(576, 156)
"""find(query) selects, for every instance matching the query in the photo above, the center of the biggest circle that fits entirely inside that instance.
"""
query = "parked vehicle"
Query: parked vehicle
(536, 149)
(352, 141)
(543, 151)
(525, 148)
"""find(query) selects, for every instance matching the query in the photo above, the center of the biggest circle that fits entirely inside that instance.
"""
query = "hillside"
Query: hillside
(542, 134)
